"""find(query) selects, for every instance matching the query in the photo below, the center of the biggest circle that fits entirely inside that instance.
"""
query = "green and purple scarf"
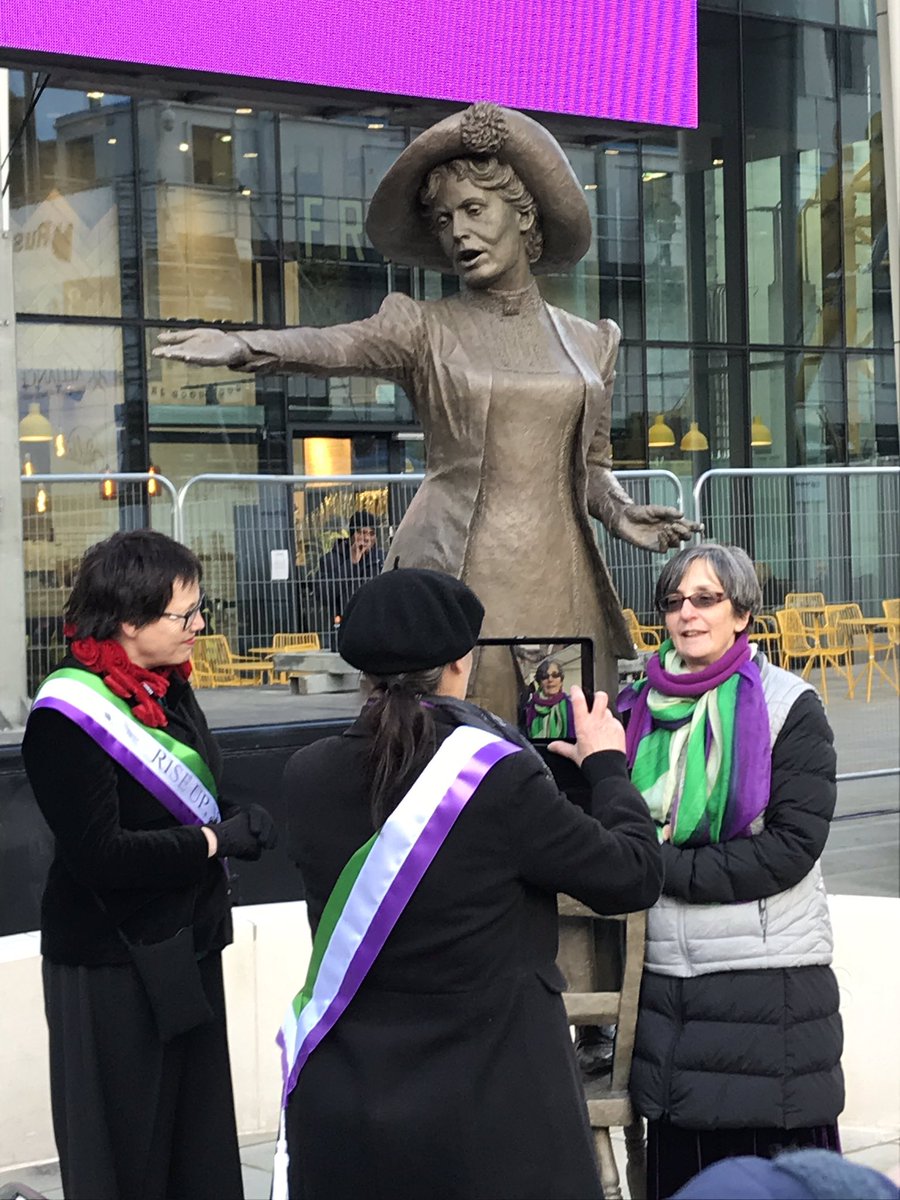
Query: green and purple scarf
(698, 744)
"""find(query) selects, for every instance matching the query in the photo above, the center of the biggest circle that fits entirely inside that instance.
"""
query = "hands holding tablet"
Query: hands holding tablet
(596, 728)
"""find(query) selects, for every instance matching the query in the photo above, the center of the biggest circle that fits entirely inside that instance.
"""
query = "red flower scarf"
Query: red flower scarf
(141, 688)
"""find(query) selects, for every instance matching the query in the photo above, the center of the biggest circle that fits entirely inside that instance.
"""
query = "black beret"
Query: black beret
(409, 620)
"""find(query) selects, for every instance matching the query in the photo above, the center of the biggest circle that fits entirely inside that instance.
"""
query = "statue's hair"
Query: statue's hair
(494, 176)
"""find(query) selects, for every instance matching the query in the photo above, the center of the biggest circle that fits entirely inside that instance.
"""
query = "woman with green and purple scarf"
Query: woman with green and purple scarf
(548, 710)
(739, 1036)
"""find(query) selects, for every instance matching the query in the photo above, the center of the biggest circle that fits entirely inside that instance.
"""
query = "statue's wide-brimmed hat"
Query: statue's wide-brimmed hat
(399, 230)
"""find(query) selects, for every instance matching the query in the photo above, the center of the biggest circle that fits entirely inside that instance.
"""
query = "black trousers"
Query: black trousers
(135, 1119)
(675, 1155)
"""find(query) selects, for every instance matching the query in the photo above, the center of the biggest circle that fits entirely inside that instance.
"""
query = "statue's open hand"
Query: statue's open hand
(204, 347)
(654, 526)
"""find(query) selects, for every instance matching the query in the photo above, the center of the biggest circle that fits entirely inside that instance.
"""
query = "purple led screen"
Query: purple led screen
(627, 60)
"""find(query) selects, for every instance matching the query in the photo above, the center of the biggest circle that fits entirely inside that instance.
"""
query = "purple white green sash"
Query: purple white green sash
(371, 893)
(171, 771)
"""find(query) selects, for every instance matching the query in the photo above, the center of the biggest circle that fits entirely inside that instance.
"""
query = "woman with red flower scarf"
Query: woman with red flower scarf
(136, 912)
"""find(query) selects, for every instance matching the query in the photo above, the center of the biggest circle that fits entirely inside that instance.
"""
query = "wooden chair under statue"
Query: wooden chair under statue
(581, 940)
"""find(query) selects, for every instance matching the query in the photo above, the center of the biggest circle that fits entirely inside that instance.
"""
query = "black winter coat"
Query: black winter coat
(759, 1048)
(116, 840)
(451, 1075)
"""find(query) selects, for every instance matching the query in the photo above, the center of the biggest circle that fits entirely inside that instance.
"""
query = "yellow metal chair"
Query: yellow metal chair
(215, 661)
(892, 620)
(645, 637)
(764, 631)
(798, 643)
(811, 606)
(201, 675)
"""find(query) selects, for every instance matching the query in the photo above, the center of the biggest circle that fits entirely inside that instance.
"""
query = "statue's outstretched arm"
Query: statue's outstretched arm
(386, 345)
(650, 526)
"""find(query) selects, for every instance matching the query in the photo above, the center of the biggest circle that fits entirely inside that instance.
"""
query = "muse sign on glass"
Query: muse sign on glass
(628, 60)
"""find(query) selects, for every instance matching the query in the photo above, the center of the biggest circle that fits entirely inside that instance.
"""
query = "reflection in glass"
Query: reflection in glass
(578, 290)
(329, 171)
(74, 374)
(203, 418)
(669, 392)
(619, 235)
(871, 409)
(665, 247)
(793, 184)
(805, 10)
(819, 411)
(867, 296)
(767, 406)
(858, 13)
(629, 432)
(66, 223)
(208, 193)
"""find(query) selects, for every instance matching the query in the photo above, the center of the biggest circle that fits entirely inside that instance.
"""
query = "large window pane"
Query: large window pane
(71, 200)
(803, 10)
(208, 198)
(793, 184)
(578, 290)
(629, 429)
(867, 274)
(333, 274)
(859, 13)
(72, 376)
(665, 245)
(616, 198)
(871, 409)
(205, 418)
(819, 410)
(798, 401)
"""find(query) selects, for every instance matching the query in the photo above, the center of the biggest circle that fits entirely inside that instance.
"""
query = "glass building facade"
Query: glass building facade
(746, 262)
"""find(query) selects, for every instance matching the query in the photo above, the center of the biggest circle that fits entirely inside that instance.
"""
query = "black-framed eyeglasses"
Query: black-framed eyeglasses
(186, 619)
(553, 675)
(674, 601)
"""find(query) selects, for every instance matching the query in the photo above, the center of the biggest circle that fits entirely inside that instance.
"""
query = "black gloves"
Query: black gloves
(263, 826)
(246, 834)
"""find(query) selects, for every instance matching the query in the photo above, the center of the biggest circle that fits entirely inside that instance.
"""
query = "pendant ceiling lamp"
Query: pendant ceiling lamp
(760, 435)
(695, 439)
(34, 426)
(660, 435)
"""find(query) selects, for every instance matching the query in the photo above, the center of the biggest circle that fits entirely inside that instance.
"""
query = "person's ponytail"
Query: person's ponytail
(403, 735)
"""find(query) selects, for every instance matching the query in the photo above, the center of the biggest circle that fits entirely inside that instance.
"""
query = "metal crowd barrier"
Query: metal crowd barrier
(834, 530)
(62, 516)
(262, 540)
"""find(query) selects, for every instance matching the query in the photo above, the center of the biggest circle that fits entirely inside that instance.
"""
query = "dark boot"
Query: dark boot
(594, 1047)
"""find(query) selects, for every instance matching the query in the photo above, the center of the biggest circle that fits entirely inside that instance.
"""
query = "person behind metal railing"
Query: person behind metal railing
(136, 908)
(739, 1039)
(347, 565)
(428, 1054)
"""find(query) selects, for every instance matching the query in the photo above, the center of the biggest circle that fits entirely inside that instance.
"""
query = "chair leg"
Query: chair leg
(609, 1172)
(824, 675)
(636, 1156)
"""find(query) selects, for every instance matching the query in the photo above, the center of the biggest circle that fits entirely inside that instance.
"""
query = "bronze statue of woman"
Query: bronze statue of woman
(513, 395)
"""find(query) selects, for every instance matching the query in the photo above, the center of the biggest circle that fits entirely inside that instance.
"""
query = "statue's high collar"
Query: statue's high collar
(504, 304)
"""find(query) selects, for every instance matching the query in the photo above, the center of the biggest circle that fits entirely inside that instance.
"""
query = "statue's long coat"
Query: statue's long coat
(437, 351)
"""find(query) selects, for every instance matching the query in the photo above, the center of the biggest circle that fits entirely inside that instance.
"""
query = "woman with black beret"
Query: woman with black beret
(428, 1053)
(136, 908)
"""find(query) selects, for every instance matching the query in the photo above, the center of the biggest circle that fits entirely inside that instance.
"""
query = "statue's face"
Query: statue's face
(482, 235)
